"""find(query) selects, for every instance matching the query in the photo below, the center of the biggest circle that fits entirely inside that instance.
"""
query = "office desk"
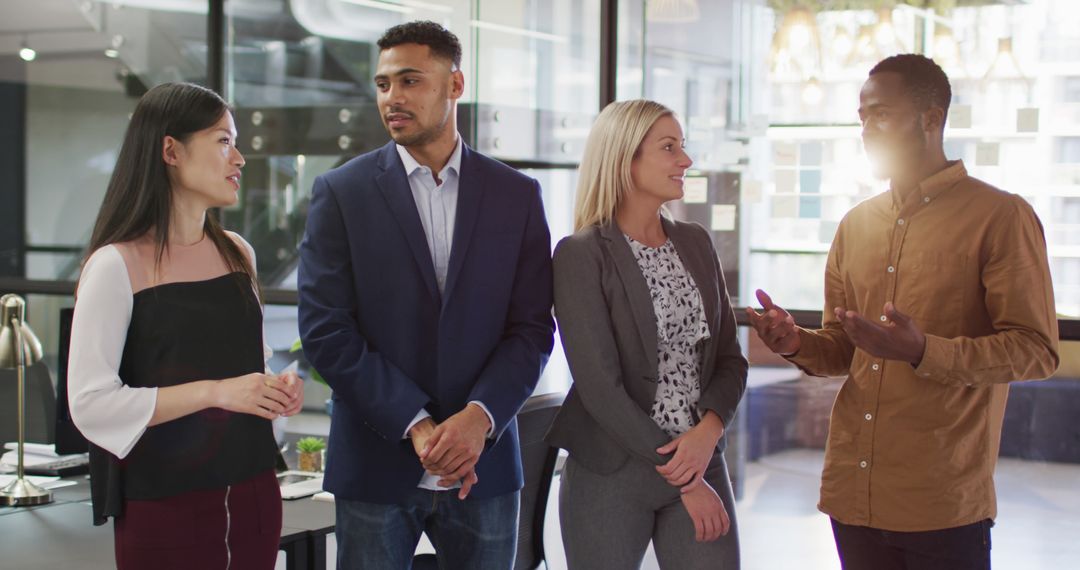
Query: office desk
(60, 534)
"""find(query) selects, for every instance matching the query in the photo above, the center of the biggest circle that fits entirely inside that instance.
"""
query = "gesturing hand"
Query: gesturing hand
(711, 520)
(775, 326)
(256, 394)
(899, 338)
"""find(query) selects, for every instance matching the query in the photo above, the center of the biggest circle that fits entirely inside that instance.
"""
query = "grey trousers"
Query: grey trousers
(608, 520)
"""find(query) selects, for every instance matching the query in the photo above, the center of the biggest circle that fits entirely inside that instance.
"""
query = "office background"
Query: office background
(767, 92)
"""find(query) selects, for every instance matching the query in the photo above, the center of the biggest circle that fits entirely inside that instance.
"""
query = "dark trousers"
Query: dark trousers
(474, 534)
(960, 548)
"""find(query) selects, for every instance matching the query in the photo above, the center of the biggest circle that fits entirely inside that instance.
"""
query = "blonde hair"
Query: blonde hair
(604, 176)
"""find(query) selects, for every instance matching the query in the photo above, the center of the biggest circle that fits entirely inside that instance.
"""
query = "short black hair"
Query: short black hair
(926, 81)
(439, 40)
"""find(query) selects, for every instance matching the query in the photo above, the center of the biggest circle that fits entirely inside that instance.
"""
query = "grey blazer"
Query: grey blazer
(608, 330)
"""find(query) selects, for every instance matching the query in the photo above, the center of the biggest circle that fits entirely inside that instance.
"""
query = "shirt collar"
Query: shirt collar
(932, 187)
(411, 165)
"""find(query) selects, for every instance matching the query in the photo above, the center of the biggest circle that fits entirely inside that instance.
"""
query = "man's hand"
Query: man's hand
(898, 338)
(693, 450)
(420, 434)
(775, 326)
(455, 446)
(711, 520)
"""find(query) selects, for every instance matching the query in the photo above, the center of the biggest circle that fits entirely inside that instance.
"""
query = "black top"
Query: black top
(184, 332)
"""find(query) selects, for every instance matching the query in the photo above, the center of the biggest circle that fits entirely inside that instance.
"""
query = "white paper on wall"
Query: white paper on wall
(751, 191)
(987, 153)
(784, 154)
(696, 190)
(723, 217)
(1027, 120)
(960, 117)
(785, 181)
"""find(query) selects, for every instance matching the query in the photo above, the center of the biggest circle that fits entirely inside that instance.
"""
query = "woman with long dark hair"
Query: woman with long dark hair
(168, 376)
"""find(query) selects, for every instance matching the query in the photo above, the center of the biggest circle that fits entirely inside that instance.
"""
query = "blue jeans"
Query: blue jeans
(478, 534)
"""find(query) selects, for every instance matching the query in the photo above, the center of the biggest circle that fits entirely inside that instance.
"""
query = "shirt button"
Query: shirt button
(926, 199)
(892, 269)
(863, 464)
(883, 318)
(900, 221)
(875, 367)
(869, 417)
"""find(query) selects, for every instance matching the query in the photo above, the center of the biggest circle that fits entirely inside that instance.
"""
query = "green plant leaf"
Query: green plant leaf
(297, 346)
(310, 444)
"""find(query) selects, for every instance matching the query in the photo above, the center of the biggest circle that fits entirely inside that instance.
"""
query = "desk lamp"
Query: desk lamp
(19, 348)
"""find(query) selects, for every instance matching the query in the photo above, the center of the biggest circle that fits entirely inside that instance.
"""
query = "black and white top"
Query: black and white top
(141, 325)
(680, 329)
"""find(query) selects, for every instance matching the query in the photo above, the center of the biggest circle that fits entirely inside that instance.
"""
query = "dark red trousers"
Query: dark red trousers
(236, 528)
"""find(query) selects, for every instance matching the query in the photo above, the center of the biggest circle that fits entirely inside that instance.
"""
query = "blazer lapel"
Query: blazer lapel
(470, 194)
(637, 290)
(394, 185)
(695, 260)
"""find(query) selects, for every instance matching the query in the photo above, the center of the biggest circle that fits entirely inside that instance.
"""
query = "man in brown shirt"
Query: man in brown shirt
(937, 294)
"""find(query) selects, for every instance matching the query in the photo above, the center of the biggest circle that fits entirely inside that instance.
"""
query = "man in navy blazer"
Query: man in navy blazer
(425, 301)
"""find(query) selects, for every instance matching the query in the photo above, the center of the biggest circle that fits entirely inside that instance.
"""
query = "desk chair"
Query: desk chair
(538, 461)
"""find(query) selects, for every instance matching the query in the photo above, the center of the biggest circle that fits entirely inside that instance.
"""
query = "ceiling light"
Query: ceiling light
(26, 52)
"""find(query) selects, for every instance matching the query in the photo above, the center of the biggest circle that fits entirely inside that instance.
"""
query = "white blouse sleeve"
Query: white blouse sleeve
(109, 413)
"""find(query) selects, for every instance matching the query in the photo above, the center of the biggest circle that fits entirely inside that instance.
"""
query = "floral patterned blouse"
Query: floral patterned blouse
(680, 329)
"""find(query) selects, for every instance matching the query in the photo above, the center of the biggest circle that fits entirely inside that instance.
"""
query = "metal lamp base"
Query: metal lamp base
(23, 493)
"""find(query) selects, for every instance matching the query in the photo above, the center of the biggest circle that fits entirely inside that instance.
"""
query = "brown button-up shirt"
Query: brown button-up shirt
(914, 449)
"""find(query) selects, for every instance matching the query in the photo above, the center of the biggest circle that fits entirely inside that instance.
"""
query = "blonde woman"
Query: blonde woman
(649, 334)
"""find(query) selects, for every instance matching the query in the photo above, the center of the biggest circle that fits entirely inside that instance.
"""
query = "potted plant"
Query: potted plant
(310, 451)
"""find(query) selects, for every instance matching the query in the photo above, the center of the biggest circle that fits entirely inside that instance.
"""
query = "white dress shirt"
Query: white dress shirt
(437, 206)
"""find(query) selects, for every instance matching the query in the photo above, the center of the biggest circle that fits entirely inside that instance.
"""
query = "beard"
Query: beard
(419, 138)
(424, 134)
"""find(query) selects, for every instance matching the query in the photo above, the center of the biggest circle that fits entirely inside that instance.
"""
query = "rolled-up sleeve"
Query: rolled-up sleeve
(109, 413)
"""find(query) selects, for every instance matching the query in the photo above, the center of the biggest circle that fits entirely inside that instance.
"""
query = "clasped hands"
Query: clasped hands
(451, 449)
(896, 337)
(263, 395)
(692, 452)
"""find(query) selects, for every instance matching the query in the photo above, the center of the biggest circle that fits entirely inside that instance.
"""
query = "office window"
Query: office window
(768, 94)
(70, 75)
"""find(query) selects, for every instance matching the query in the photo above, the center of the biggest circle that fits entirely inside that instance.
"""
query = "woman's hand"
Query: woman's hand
(711, 520)
(693, 450)
(295, 387)
(256, 394)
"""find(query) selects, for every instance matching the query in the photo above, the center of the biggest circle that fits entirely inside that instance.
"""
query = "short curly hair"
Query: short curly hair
(925, 80)
(442, 42)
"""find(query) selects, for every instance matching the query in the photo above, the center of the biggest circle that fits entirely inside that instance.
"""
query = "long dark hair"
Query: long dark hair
(139, 198)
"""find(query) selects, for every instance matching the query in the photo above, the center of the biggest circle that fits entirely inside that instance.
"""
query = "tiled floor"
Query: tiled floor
(1038, 525)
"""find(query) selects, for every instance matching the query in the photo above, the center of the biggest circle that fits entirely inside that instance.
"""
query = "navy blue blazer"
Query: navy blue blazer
(374, 324)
